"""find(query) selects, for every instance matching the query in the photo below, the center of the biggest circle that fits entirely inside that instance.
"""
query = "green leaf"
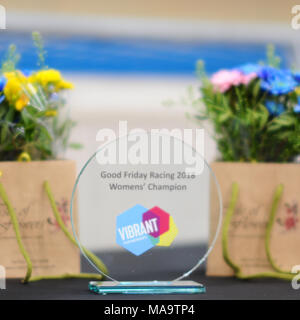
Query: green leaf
(256, 89)
(284, 135)
(223, 117)
(4, 132)
(263, 116)
(25, 118)
(285, 120)
(46, 133)
(10, 114)
(239, 95)
(2, 111)
(274, 127)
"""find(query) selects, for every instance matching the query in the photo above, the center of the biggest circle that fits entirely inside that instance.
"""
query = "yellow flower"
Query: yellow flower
(46, 77)
(62, 85)
(21, 102)
(14, 74)
(50, 77)
(51, 113)
(297, 90)
(14, 89)
(24, 157)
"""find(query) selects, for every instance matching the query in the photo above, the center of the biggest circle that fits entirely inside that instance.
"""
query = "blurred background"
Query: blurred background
(127, 57)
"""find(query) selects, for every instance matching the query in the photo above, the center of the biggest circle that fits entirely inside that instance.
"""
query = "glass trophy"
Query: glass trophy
(144, 201)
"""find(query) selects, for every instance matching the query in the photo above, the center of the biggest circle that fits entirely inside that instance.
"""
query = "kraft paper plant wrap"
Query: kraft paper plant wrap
(251, 215)
(35, 232)
(50, 250)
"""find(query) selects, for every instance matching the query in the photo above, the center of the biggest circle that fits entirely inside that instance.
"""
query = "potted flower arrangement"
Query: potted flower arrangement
(31, 105)
(255, 113)
(34, 132)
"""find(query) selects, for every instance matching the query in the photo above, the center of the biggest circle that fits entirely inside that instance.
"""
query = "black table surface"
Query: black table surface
(218, 288)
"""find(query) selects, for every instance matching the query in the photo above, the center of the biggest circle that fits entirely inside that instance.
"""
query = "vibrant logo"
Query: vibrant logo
(140, 229)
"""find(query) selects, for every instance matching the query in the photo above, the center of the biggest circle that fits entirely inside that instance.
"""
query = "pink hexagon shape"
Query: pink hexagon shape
(163, 220)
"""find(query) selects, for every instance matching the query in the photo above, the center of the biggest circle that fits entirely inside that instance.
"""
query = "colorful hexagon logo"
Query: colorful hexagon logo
(140, 229)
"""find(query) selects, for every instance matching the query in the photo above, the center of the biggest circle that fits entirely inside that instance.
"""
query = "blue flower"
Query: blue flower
(2, 83)
(297, 107)
(276, 81)
(275, 109)
(297, 76)
(249, 68)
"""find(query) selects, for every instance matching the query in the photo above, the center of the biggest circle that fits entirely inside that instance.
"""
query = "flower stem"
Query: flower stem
(69, 276)
(228, 216)
(275, 203)
(58, 218)
(15, 224)
(226, 225)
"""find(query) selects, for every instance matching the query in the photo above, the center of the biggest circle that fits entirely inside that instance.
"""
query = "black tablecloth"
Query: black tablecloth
(217, 287)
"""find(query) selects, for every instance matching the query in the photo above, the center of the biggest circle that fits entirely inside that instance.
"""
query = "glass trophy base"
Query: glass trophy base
(146, 287)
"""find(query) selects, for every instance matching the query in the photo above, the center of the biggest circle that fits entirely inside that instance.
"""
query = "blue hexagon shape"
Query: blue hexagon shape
(130, 232)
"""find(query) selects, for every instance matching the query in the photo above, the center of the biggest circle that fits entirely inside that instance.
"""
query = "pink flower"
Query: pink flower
(248, 78)
(225, 79)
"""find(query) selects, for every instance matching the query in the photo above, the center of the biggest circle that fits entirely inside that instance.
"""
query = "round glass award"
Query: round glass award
(144, 201)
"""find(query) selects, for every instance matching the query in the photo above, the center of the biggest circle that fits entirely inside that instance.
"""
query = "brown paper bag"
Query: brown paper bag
(51, 252)
(246, 237)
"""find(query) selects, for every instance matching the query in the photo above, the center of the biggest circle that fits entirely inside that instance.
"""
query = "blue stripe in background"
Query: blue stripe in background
(102, 55)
